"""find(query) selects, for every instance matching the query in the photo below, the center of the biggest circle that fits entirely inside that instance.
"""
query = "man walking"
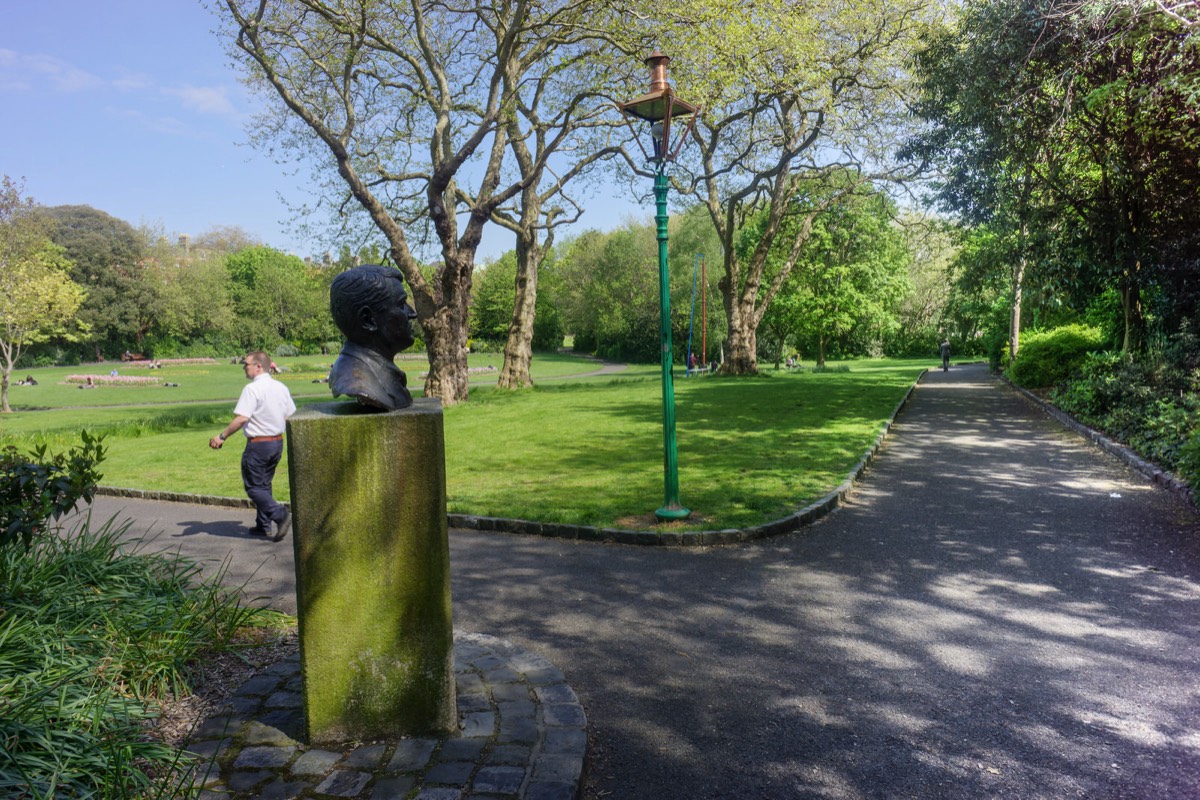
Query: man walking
(262, 410)
(944, 347)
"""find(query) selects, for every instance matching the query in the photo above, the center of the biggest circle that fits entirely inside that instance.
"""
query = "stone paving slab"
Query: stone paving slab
(522, 736)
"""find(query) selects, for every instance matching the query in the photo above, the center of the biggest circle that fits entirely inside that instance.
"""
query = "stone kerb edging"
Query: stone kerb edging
(789, 524)
(1155, 473)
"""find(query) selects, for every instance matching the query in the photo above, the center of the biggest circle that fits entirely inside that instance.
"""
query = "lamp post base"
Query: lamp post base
(672, 512)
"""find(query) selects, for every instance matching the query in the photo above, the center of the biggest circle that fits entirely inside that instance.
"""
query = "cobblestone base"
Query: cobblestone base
(522, 734)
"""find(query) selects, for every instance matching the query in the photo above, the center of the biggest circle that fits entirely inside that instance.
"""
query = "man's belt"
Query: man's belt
(274, 438)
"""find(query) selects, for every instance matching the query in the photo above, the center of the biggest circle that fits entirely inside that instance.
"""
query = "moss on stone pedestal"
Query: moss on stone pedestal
(372, 570)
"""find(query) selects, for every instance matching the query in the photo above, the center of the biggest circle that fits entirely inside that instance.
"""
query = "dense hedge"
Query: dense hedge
(1047, 358)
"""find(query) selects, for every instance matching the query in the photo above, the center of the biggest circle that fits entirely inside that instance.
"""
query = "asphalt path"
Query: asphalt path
(1001, 610)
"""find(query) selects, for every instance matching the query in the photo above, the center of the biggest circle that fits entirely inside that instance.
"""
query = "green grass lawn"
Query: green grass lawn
(585, 451)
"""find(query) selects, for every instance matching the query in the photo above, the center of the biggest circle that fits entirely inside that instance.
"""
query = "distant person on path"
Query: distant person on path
(370, 307)
(263, 409)
(945, 348)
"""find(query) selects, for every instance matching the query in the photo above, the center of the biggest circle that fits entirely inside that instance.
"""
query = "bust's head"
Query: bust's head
(368, 304)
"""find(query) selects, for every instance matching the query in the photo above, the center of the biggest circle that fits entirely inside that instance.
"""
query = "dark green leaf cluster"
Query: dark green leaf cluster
(1070, 129)
(90, 634)
(1048, 357)
(1151, 403)
(36, 487)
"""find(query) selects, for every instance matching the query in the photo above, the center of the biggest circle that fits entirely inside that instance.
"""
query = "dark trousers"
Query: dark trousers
(259, 461)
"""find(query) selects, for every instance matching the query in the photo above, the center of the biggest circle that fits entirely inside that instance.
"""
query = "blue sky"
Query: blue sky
(130, 107)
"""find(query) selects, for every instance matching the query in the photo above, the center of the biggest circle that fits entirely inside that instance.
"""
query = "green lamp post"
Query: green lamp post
(658, 108)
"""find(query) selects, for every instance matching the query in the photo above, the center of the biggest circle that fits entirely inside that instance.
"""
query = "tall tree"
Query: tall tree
(195, 289)
(38, 299)
(559, 109)
(792, 93)
(851, 273)
(610, 290)
(1081, 151)
(278, 298)
(412, 106)
(932, 243)
(108, 258)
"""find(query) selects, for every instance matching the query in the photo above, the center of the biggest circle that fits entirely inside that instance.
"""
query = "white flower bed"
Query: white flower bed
(112, 380)
(162, 361)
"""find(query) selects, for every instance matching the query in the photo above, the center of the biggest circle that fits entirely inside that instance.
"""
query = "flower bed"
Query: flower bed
(112, 380)
(162, 361)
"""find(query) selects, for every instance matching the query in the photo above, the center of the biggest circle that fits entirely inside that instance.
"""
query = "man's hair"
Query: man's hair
(260, 358)
(369, 286)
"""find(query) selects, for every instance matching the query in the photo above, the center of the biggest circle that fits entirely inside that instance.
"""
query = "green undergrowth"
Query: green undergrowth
(92, 634)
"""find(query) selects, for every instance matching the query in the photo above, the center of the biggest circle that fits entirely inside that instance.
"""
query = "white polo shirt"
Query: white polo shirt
(267, 403)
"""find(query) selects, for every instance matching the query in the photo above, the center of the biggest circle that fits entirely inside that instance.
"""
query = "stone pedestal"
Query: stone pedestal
(372, 571)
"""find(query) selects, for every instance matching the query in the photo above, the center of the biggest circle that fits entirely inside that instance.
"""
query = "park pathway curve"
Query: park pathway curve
(999, 611)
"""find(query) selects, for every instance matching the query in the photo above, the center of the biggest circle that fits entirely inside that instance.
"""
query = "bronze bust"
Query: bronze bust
(369, 306)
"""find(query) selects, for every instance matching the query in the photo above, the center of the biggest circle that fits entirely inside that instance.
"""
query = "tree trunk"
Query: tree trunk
(447, 345)
(1014, 323)
(741, 348)
(820, 349)
(443, 318)
(4, 406)
(518, 348)
(1131, 306)
(742, 353)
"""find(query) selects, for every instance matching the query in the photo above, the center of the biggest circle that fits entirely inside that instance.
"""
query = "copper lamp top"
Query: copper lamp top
(657, 62)
(660, 102)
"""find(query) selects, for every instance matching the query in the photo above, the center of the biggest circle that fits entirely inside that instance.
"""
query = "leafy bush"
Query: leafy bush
(286, 350)
(1103, 383)
(1048, 357)
(1150, 404)
(91, 634)
(36, 486)
(1189, 461)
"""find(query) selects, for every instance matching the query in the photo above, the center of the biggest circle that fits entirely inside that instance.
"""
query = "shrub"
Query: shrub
(1049, 357)
(286, 350)
(1189, 461)
(36, 487)
(91, 635)
(1103, 383)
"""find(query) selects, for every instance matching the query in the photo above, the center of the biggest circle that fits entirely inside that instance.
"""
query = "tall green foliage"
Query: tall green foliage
(492, 305)
(278, 299)
(108, 256)
(1079, 151)
(848, 280)
(611, 286)
(38, 300)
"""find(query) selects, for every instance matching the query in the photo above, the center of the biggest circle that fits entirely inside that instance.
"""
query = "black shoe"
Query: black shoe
(282, 526)
(258, 532)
